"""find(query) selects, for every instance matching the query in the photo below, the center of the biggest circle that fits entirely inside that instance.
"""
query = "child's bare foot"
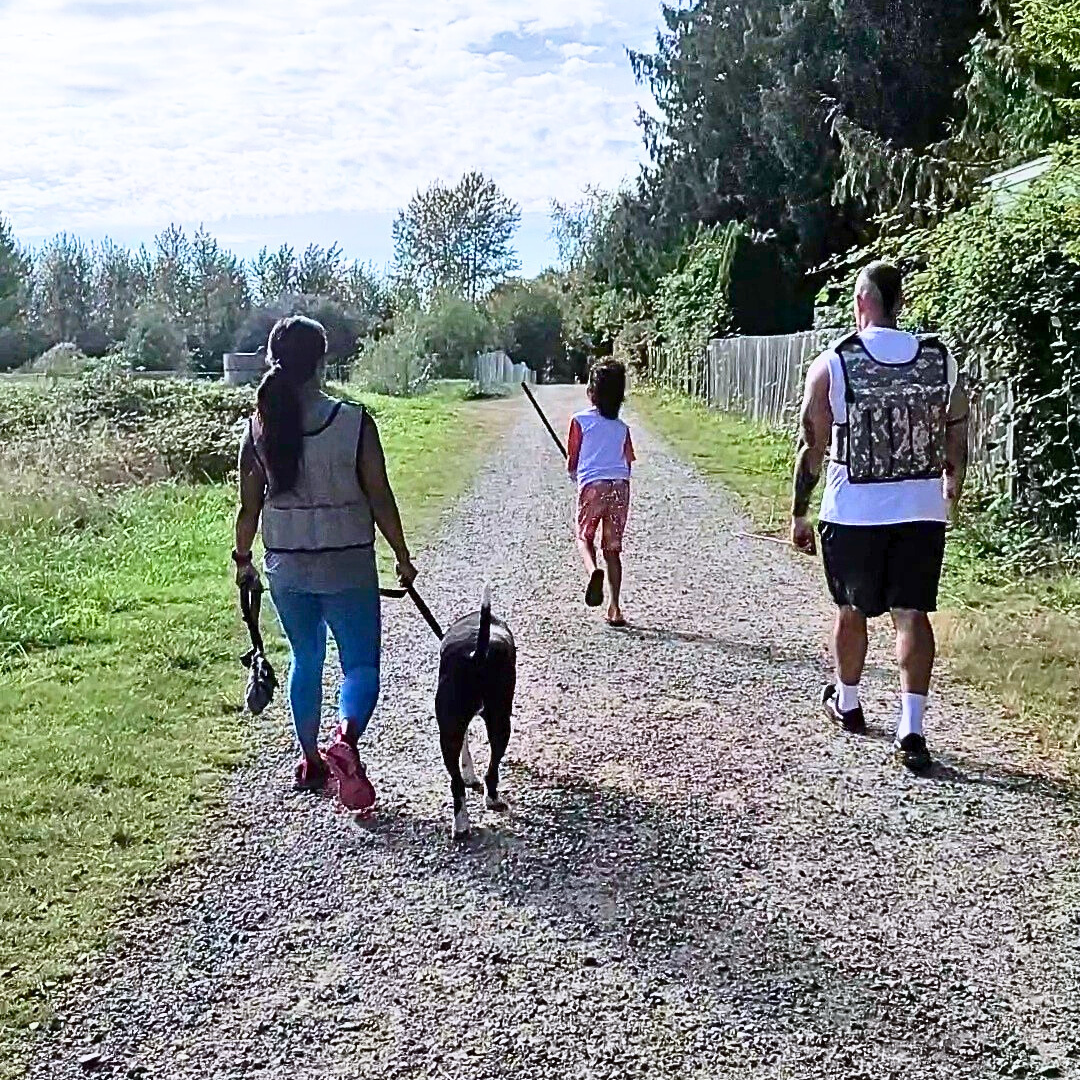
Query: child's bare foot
(615, 616)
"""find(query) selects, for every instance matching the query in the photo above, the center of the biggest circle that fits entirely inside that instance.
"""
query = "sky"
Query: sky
(272, 122)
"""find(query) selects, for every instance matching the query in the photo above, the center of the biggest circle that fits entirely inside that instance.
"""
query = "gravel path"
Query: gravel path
(698, 878)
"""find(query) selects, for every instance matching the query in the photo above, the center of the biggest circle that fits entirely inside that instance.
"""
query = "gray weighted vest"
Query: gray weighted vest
(327, 510)
(896, 414)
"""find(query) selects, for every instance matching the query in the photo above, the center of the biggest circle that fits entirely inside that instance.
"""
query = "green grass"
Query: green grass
(1011, 633)
(120, 686)
(754, 462)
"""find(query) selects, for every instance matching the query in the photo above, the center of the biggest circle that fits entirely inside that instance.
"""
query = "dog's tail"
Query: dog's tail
(483, 638)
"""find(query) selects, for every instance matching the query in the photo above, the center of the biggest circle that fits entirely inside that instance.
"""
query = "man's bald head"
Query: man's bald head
(879, 295)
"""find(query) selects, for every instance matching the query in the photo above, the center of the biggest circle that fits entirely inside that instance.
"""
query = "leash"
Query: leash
(417, 599)
(251, 608)
(763, 538)
(425, 611)
(540, 413)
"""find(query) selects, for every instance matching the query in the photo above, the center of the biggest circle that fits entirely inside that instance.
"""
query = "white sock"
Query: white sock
(912, 711)
(847, 697)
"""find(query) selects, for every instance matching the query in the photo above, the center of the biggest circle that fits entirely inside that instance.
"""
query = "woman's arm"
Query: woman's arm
(384, 508)
(252, 494)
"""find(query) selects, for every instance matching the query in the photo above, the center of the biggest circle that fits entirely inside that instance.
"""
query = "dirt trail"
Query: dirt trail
(698, 879)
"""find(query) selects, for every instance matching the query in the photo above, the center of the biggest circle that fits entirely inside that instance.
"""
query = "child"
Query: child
(599, 456)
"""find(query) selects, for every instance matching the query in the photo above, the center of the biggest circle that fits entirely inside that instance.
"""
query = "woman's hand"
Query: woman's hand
(248, 575)
(406, 572)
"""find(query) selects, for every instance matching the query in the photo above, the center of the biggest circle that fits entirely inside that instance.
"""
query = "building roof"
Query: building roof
(1012, 182)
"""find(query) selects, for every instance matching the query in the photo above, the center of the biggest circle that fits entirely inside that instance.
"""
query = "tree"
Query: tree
(121, 285)
(457, 239)
(172, 274)
(14, 279)
(745, 92)
(528, 320)
(62, 290)
(274, 274)
(155, 342)
(219, 300)
(320, 271)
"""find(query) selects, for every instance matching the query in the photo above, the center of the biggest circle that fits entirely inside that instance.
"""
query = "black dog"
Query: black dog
(477, 675)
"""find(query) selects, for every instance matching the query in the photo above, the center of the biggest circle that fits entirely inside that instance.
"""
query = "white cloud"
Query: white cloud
(122, 111)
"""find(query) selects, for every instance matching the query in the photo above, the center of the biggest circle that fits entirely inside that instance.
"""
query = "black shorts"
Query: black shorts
(879, 568)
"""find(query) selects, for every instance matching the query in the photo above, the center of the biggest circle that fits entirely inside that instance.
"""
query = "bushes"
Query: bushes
(63, 359)
(693, 302)
(155, 342)
(393, 365)
(109, 429)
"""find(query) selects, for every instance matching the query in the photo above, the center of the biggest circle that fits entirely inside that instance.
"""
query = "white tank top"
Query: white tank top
(603, 448)
(895, 503)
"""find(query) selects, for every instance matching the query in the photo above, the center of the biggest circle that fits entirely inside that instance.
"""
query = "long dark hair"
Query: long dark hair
(295, 349)
(607, 388)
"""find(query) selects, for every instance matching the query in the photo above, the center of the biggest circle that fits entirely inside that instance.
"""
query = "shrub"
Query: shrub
(155, 342)
(528, 324)
(693, 302)
(63, 359)
(394, 364)
(451, 331)
(142, 429)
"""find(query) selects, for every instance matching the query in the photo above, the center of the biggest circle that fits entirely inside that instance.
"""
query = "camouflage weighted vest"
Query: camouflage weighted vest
(896, 414)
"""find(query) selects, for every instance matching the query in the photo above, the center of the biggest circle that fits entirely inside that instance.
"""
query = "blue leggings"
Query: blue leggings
(354, 619)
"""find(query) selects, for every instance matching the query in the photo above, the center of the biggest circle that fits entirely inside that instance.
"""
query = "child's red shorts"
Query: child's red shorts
(606, 501)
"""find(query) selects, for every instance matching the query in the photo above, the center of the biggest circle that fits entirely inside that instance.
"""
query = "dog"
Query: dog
(477, 676)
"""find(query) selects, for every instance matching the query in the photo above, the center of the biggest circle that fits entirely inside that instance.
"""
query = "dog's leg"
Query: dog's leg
(498, 727)
(468, 768)
(451, 734)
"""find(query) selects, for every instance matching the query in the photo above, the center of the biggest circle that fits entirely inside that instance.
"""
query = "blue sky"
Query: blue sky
(269, 126)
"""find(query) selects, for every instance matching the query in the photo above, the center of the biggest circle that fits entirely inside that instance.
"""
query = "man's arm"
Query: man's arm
(956, 444)
(815, 431)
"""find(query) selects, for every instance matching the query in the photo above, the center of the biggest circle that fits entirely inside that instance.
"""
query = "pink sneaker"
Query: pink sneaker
(354, 788)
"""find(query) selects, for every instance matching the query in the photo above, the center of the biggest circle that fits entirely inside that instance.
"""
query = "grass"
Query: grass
(1007, 632)
(120, 686)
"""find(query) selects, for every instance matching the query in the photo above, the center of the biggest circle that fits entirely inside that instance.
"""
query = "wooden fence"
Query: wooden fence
(762, 378)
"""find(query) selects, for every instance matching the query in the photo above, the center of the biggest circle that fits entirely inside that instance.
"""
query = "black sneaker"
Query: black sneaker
(852, 721)
(912, 751)
(594, 594)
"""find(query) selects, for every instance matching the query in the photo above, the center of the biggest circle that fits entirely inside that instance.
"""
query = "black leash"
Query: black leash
(412, 594)
(251, 609)
(262, 680)
(540, 413)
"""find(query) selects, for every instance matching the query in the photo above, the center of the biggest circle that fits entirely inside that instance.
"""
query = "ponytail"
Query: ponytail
(295, 349)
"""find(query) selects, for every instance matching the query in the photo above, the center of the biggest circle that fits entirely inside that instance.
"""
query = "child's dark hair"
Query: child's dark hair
(607, 387)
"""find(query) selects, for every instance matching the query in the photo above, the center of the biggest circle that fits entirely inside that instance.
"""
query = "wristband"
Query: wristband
(241, 560)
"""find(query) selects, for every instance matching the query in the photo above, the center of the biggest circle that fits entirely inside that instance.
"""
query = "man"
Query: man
(887, 408)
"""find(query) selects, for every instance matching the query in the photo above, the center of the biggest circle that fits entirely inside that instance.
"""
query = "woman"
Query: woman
(313, 469)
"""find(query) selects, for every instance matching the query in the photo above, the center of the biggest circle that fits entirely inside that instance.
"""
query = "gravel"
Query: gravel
(698, 877)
